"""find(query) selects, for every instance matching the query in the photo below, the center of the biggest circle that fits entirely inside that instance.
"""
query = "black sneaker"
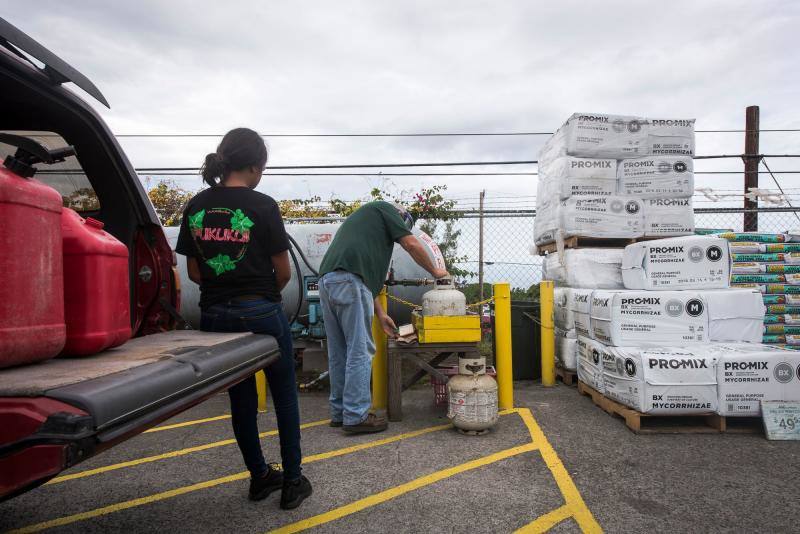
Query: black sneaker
(261, 487)
(295, 492)
(335, 424)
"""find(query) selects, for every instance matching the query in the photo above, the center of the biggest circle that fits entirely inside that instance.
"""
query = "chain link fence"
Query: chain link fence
(508, 240)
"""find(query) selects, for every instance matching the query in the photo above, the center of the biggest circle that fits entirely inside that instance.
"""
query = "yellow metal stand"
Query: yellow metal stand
(502, 357)
(548, 333)
(380, 369)
(261, 388)
(447, 329)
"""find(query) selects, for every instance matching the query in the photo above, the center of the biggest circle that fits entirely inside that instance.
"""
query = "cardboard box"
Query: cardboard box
(748, 374)
(665, 217)
(734, 315)
(598, 268)
(634, 317)
(581, 304)
(691, 262)
(590, 362)
(656, 177)
(661, 380)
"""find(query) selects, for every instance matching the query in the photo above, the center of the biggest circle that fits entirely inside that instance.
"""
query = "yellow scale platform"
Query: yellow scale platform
(447, 328)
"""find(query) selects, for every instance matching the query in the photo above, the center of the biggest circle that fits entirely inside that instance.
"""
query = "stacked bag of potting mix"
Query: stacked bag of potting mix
(654, 326)
(609, 176)
(770, 264)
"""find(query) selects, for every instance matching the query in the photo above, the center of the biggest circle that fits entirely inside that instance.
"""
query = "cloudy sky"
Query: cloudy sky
(421, 66)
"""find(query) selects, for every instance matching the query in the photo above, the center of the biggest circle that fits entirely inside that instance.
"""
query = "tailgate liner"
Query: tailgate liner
(128, 400)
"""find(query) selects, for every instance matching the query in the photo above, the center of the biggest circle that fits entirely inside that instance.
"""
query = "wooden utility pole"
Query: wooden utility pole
(751, 161)
(480, 247)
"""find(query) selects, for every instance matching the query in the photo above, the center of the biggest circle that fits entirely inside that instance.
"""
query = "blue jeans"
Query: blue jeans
(347, 309)
(262, 317)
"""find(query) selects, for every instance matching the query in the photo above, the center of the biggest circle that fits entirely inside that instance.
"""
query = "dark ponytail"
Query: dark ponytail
(241, 148)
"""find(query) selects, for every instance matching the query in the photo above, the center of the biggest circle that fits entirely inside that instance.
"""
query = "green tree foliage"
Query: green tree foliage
(169, 201)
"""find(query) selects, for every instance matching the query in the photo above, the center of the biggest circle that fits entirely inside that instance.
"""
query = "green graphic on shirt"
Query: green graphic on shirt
(239, 232)
(196, 220)
(240, 222)
(221, 263)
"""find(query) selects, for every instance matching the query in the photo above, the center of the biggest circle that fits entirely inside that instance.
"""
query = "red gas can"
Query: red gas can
(96, 286)
(31, 290)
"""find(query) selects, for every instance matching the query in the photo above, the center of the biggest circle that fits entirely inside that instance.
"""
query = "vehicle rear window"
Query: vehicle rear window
(66, 177)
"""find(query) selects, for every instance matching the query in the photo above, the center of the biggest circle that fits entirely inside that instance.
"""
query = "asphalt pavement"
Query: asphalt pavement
(585, 469)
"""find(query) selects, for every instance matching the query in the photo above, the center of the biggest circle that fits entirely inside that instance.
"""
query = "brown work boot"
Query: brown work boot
(373, 423)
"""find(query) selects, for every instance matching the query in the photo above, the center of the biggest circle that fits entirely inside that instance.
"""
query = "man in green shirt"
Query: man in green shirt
(352, 275)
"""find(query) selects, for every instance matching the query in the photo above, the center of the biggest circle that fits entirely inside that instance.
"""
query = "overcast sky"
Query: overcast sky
(422, 66)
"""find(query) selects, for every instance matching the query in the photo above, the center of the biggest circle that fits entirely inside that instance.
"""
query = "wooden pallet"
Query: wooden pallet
(641, 423)
(570, 378)
(593, 242)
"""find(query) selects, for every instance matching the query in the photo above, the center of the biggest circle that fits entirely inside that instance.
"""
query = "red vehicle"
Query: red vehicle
(59, 412)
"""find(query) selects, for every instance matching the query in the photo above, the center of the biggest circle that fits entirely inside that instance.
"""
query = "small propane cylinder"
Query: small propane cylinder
(473, 397)
(444, 299)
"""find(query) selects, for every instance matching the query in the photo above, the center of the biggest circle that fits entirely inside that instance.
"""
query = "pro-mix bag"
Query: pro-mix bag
(691, 262)
(600, 135)
(604, 217)
(635, 317)
(581, 305)
(656, 177)
(661, 380)
(580, 176)
(734, 315)
(665, 217)
(590, 362)
(585, 267)
(749, 373)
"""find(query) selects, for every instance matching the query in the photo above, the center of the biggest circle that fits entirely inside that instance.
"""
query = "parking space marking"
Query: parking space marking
(186, 423)
(547, 521)
(166, 455)
(574, 506)
(391, 493)
(117, 507)
(572, 497)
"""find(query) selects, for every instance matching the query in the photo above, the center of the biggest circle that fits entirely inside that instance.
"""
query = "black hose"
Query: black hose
(303, 256)
(299, 281)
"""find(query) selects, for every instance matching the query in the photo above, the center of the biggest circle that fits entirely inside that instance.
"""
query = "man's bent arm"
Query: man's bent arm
(412, 245)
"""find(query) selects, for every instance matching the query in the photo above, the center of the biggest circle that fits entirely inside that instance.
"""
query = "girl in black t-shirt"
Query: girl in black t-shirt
(236, 249)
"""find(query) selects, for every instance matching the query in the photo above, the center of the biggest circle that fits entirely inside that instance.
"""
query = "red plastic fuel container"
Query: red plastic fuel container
(31, 289)
(96, 286)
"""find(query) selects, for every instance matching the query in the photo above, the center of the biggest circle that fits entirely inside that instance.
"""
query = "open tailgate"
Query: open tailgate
(57, 413)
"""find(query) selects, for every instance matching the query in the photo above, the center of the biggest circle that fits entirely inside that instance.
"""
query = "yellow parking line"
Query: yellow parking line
(117, 507)
(402, 489)
(583, 516)
(547, 521)
(186, 423)
(166, 455)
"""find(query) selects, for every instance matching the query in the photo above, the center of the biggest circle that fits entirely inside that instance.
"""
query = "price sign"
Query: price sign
(781, 419)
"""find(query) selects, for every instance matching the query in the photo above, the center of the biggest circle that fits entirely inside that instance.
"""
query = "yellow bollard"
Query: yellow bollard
(380, 366)
(261, 388)
(502, 340)
(548, 336)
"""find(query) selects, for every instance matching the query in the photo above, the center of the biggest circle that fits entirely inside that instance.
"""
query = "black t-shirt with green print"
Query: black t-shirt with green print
(233, 232)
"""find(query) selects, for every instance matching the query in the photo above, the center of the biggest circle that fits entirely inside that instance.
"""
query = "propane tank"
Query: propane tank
(472, 397)
(444, 299)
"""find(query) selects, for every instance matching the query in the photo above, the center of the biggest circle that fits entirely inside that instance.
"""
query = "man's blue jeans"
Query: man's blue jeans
(262, 317)
(347, 309)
